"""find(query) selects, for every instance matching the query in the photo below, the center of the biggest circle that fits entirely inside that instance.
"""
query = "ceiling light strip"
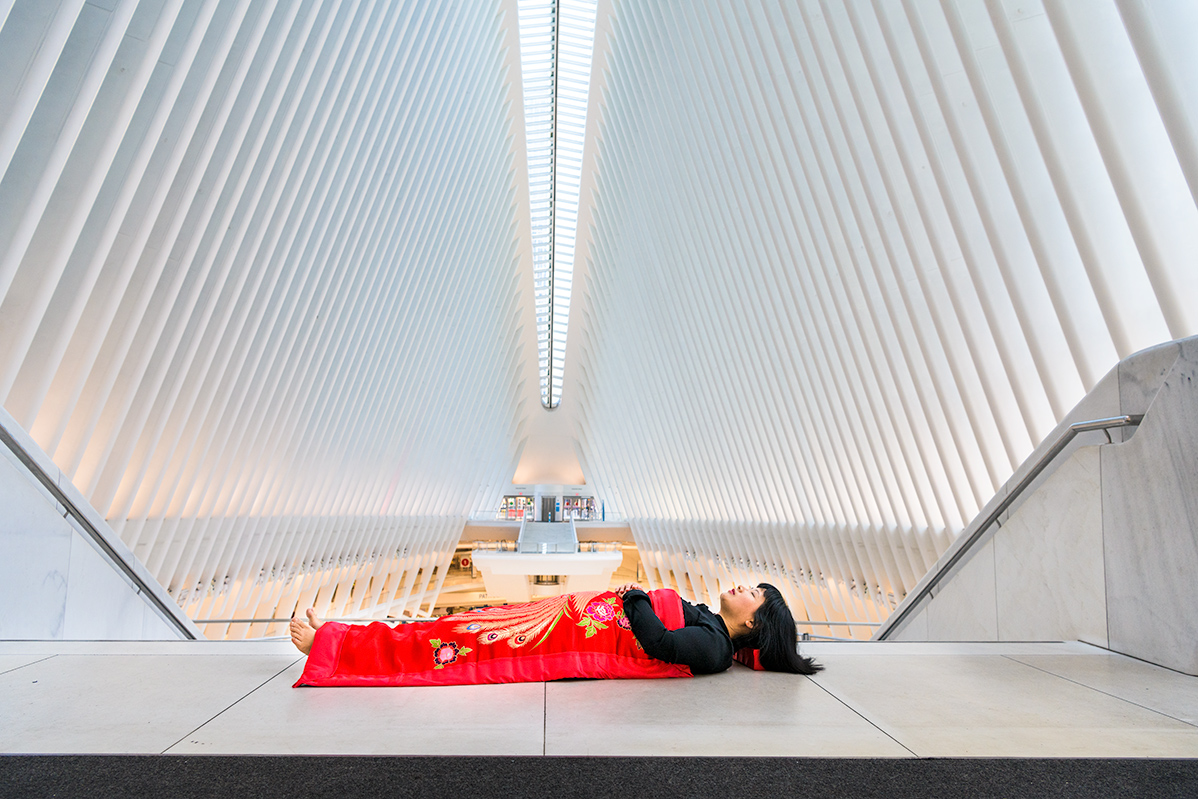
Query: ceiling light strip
(556, 43)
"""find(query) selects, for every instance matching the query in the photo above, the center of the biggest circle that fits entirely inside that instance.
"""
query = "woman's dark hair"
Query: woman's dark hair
(773, 636)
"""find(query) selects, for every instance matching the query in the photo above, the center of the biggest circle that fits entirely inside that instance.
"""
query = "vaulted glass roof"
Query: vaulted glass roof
(556, 42)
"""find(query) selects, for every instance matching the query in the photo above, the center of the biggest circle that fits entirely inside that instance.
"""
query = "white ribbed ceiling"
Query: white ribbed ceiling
(266, 288)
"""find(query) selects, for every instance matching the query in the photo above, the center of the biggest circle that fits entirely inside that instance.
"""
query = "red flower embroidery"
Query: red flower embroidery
(601, 611)
(623, 621)
(447, 652)
(596, 613)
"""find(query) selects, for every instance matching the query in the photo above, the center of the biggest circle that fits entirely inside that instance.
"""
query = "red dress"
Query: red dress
(575, 635)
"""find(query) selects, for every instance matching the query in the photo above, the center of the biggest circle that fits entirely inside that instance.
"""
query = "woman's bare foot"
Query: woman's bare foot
(303, 633)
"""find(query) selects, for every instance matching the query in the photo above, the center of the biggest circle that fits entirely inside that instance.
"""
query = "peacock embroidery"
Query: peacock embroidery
(519, 625)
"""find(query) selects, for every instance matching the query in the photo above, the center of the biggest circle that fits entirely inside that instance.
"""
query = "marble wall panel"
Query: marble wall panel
(11, 458)
(101, 605)
(963, 609)
(914, 629)
(35, 553)
(1189, 348)
(1048, 559)
(1101, 400)
(156, 628)
(1150, 527)
(54, 583)
(1141, 376)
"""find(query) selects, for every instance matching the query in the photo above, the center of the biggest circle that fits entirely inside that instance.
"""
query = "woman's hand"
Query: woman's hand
(626, 587)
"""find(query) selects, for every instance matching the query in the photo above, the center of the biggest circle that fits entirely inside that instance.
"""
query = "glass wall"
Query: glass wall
(514, 507)
(579, 508)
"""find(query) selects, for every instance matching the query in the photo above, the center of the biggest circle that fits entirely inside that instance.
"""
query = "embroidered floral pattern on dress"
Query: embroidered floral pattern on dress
(623, 621)
(446, 652)
(601, 611)
(597, 613)
(527, 623)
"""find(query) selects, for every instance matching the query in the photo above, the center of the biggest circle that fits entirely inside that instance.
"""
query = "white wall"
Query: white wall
(54, 582)
(1150, 525)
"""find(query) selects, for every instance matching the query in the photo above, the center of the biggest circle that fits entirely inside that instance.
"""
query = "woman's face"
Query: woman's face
(741, 601)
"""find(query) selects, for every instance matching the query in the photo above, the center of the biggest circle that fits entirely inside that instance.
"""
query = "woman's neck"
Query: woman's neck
(736, 627)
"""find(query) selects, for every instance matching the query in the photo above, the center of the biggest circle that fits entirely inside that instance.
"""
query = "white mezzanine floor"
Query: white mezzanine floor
(874, 700)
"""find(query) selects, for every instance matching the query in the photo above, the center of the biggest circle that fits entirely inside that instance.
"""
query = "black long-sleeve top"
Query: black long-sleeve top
(703, 644)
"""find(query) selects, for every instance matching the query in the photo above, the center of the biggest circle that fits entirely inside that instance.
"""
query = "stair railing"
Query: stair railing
(169, 611)
(942, 570)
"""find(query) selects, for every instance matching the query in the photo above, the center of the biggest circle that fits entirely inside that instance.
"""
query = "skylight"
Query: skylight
(556, 42)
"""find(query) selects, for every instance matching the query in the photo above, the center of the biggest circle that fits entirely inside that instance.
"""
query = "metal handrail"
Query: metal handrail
(97, 537)
(810, 623)
(1106, 423)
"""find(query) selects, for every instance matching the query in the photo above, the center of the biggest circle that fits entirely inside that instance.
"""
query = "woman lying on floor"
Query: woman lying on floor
(625, 633)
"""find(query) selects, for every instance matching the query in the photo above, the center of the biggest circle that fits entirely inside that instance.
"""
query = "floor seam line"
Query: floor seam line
(23, 665)
(545, 720)
(863, 718)
(1099, 690)
(230, 706)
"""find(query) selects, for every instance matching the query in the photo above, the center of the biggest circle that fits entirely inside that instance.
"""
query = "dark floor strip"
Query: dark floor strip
(581, 778)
